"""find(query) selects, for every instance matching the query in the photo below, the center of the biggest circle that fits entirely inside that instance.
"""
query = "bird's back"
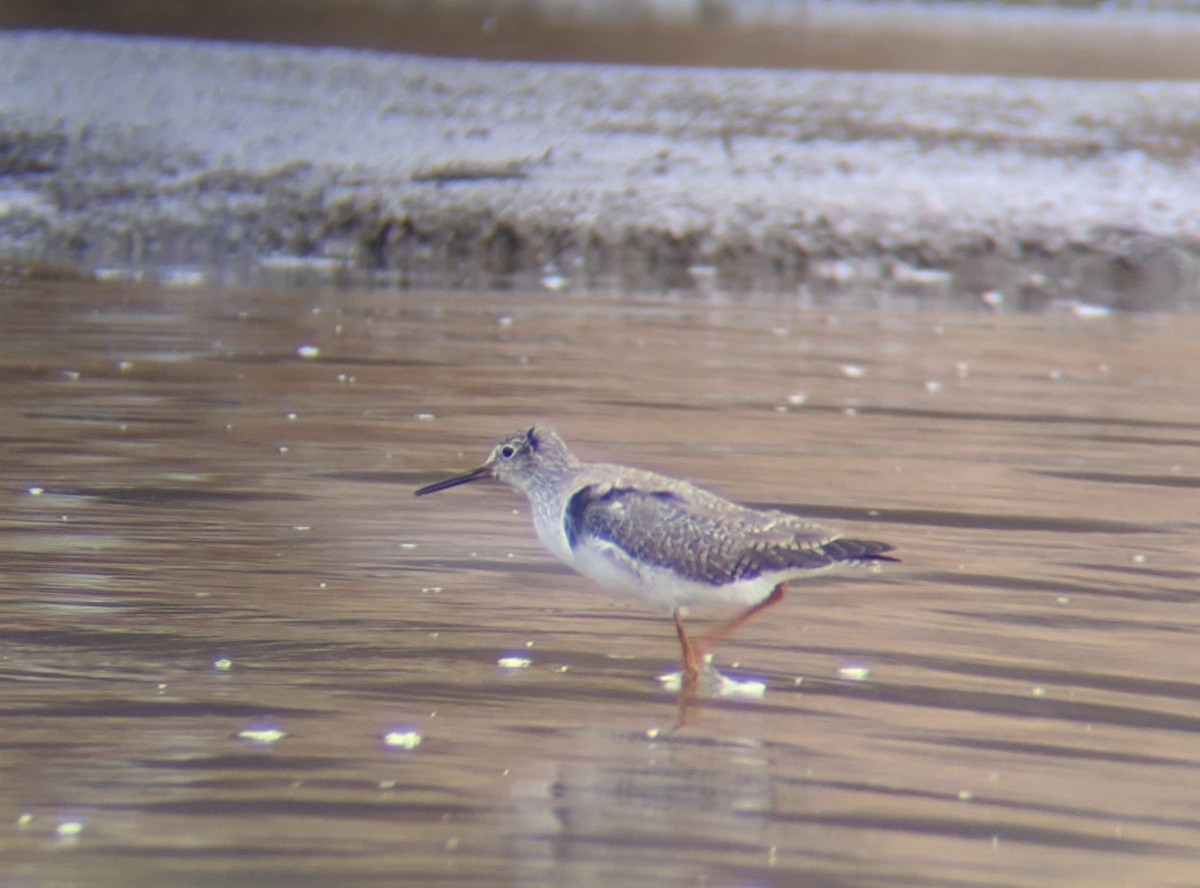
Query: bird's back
(651, 521)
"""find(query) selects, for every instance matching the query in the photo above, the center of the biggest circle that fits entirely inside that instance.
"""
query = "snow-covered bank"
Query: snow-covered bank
(148, 154)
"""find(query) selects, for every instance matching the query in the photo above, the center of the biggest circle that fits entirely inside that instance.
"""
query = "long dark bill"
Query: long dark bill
(484, 471)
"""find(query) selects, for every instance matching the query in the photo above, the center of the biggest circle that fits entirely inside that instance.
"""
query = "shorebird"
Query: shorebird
(660, 540)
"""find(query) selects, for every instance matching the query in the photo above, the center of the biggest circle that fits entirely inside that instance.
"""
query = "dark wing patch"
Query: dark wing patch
(593, 511)
(846, 551)
(663, 529)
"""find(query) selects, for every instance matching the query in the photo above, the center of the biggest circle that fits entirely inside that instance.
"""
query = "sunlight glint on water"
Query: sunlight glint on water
(236, 650)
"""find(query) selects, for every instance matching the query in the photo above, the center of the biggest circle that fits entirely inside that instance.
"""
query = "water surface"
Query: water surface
(237, 651)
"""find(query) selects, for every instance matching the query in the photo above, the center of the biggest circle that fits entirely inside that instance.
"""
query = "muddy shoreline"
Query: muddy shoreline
(235, 163)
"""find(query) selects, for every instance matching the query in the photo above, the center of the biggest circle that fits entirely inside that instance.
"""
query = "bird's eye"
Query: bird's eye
(508, 451)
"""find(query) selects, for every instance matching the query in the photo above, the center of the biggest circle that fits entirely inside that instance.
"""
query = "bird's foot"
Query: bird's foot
(707, 681)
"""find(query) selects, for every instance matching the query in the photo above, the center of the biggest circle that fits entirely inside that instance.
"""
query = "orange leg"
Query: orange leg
(691, 666)
(725, 629)
(693, 652)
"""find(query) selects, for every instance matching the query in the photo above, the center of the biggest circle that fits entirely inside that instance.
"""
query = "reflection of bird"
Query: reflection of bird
(660, 540)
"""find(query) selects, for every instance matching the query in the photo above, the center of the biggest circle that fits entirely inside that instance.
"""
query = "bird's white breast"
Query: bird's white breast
(607, 564)
(659, 587)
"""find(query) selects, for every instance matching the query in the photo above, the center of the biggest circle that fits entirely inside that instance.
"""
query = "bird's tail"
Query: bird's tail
(867, 553)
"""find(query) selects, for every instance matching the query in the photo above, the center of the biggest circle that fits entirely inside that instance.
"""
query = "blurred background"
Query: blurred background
(928, 272)
(1067, 39)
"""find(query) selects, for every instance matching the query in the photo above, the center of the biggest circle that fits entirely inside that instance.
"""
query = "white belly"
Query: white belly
(658, 587)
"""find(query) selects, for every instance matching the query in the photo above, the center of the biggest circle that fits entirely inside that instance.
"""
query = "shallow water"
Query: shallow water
(208, 530)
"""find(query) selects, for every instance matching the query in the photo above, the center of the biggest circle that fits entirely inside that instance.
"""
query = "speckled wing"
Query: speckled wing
(706, 540)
